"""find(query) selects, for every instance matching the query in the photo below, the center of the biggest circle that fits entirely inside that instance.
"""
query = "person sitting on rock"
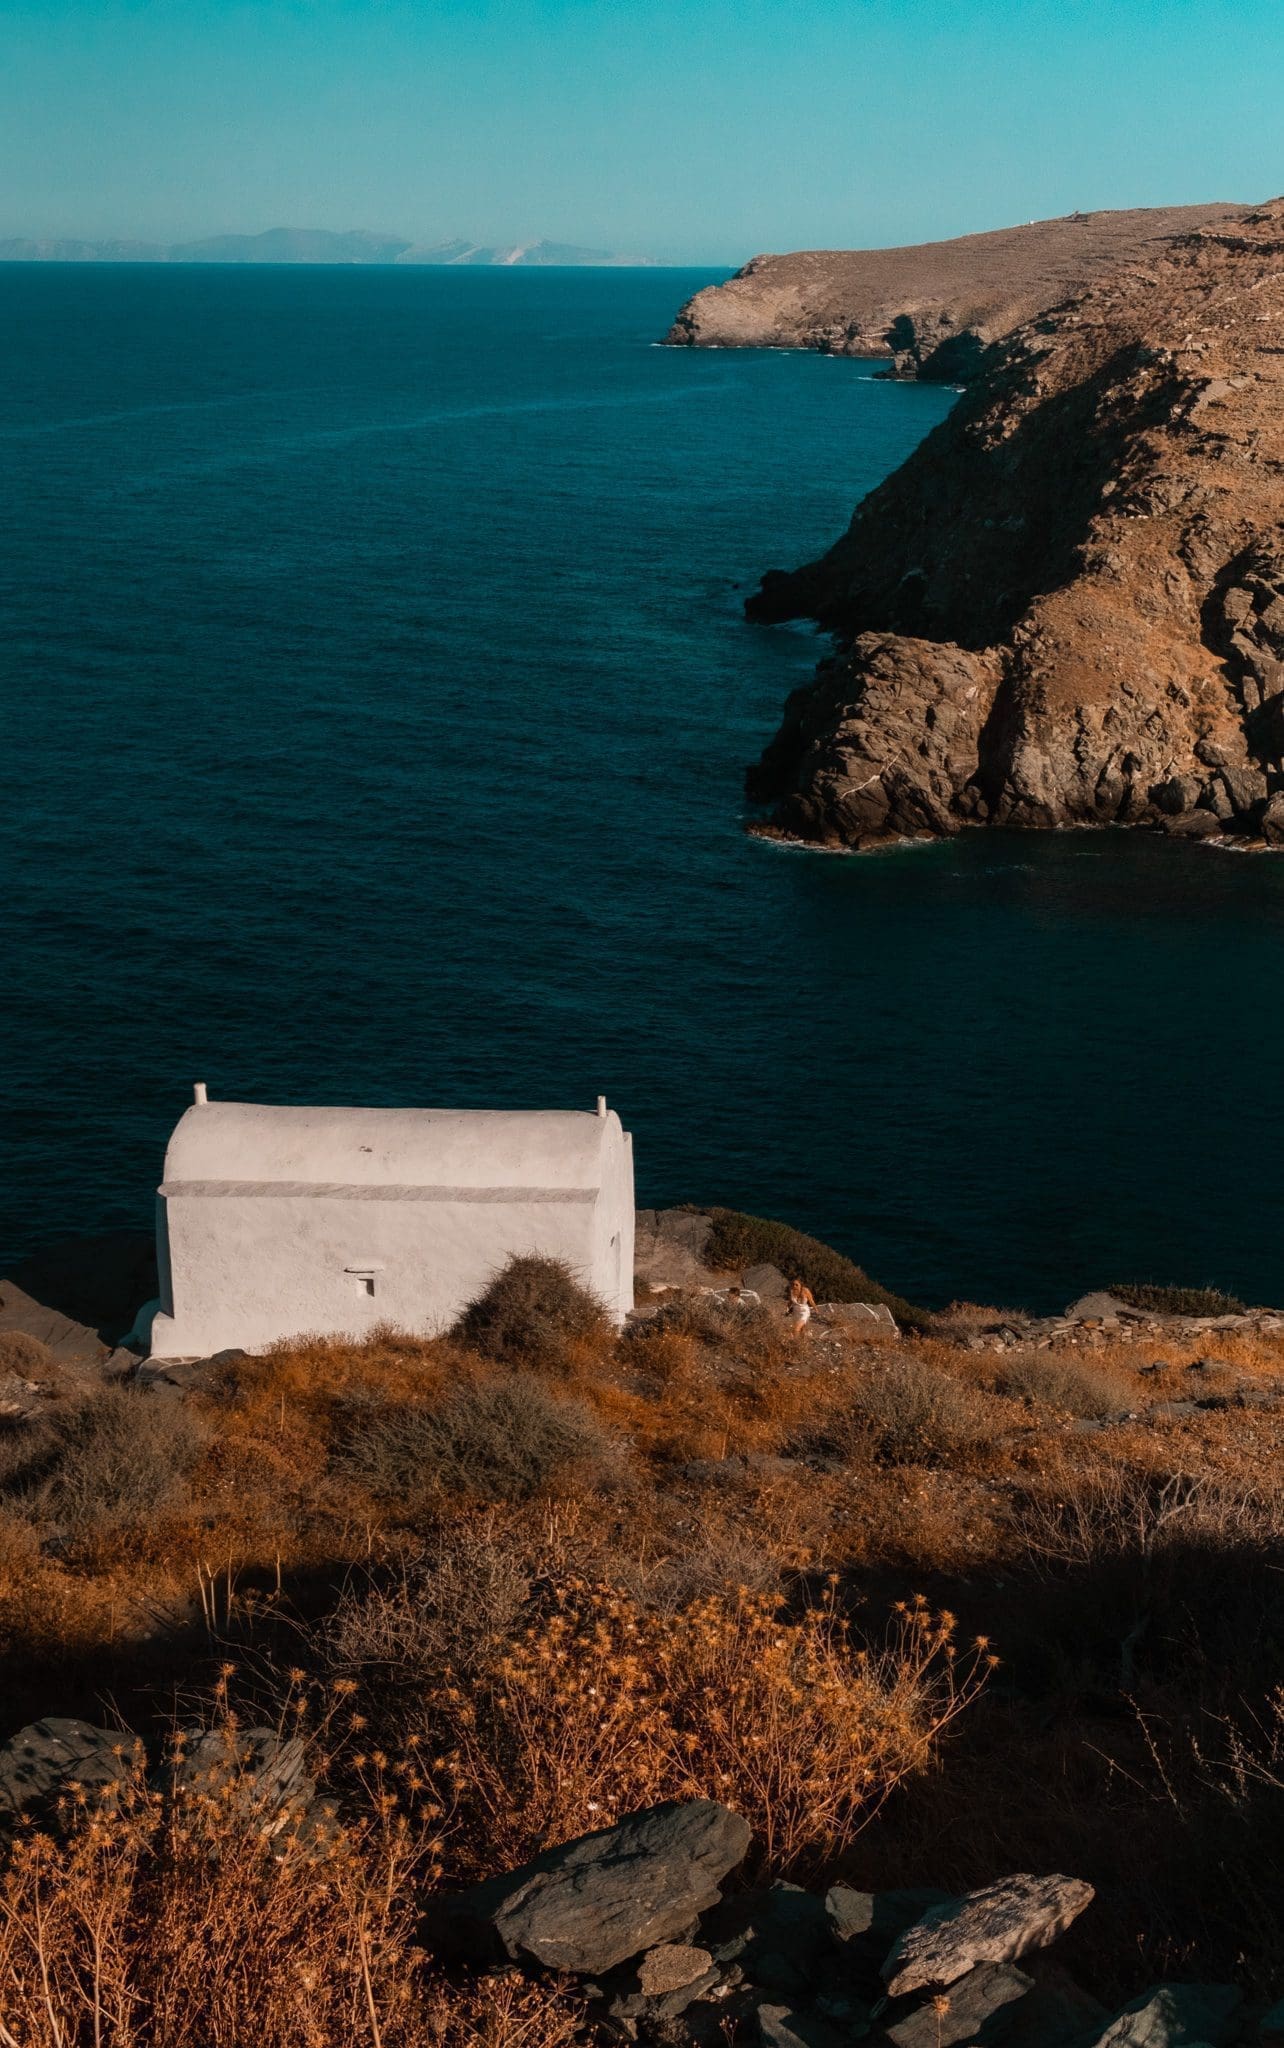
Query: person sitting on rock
(801, 1303)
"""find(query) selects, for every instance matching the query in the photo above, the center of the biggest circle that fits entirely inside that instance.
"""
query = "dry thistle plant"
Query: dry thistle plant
(147, 1919)
(603, 1707)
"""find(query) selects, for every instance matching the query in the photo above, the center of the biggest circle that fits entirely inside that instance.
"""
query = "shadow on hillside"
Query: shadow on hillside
(1128, 1737)
(1133, 1736)
(81, 1294)
(140, 1676)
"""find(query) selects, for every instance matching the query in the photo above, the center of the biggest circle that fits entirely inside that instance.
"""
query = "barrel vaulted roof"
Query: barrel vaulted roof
(255, 1143)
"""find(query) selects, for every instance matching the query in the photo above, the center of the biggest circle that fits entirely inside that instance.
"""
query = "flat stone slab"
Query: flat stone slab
(875, 1919)
(997, 1924)
(671, 1967)
(961, 2014)
(595, 1902)
(779, 2026)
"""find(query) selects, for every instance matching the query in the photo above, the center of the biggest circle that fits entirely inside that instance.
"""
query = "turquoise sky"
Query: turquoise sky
(692, 130)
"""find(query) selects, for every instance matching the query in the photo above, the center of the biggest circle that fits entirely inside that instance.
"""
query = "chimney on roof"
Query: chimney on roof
(200, 1092)
(601, 1105)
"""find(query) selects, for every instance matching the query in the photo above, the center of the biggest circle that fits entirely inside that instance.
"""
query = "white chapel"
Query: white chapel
(275, 1222)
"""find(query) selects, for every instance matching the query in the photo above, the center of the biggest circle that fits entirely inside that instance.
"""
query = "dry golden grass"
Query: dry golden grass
(530, 1668)
(167, 1923)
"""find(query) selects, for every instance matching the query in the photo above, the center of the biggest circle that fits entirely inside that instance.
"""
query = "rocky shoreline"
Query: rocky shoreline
(1067, 607)
(934, 307)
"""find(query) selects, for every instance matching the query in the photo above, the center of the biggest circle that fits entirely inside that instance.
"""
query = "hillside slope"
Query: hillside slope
(933, 307)
(1067, 607)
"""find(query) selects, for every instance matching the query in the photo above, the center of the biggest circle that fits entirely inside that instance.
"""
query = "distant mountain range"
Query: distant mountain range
(308, 245)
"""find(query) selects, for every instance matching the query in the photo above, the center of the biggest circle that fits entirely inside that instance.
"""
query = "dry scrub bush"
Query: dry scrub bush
(455, 1606)
(146, 1923)
(749, 1332)
(297, 1384)
(746, 1387)
(532, 1312)
(1178, 1301)
(1119, 1510)
(27, 1358)
(902, 1411)
(108, 1464)
(1073, 1386)
(602, 1707)
(497, 1440)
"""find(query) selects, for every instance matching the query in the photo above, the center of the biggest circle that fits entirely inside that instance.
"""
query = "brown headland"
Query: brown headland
(1067, 607)
(934, 306)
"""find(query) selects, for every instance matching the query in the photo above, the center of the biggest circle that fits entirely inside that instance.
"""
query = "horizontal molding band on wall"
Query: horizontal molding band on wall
(362, 1192)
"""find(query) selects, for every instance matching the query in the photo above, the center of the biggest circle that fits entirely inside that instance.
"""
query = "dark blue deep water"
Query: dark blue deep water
(374, 701)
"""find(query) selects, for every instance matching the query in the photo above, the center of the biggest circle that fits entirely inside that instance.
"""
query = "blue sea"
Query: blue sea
(375, 697)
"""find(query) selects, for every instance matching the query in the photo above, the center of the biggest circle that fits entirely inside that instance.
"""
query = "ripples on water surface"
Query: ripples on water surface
(375, 697)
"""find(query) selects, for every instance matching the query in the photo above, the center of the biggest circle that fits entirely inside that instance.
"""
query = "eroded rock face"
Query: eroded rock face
(1067, 607)
(933, 307)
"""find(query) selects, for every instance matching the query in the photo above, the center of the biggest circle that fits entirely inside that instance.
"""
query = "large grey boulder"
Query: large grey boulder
(52, 1756)
(1101, 1308)
(597, 1901)
(972, 2011)
(255, 1767)
(997, 1924)
(1174, 2016)
(767, 1281)
(862, 1318)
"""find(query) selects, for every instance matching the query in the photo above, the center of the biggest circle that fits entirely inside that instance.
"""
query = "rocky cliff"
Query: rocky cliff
(933, 308)
(1067, 607)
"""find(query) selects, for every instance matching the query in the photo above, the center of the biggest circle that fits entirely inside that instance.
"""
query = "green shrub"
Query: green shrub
(530, 1311)
(498, 1440)
(738, 1241)
(1179, 1301)
(1071, 1385)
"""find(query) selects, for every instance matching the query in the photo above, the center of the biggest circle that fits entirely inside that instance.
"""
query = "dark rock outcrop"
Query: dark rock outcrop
(54, 1758)
(934, 307)
(254, 1773)
(79, 1297)
(1172, 2016)
(1067, 607)
(590, 1904)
